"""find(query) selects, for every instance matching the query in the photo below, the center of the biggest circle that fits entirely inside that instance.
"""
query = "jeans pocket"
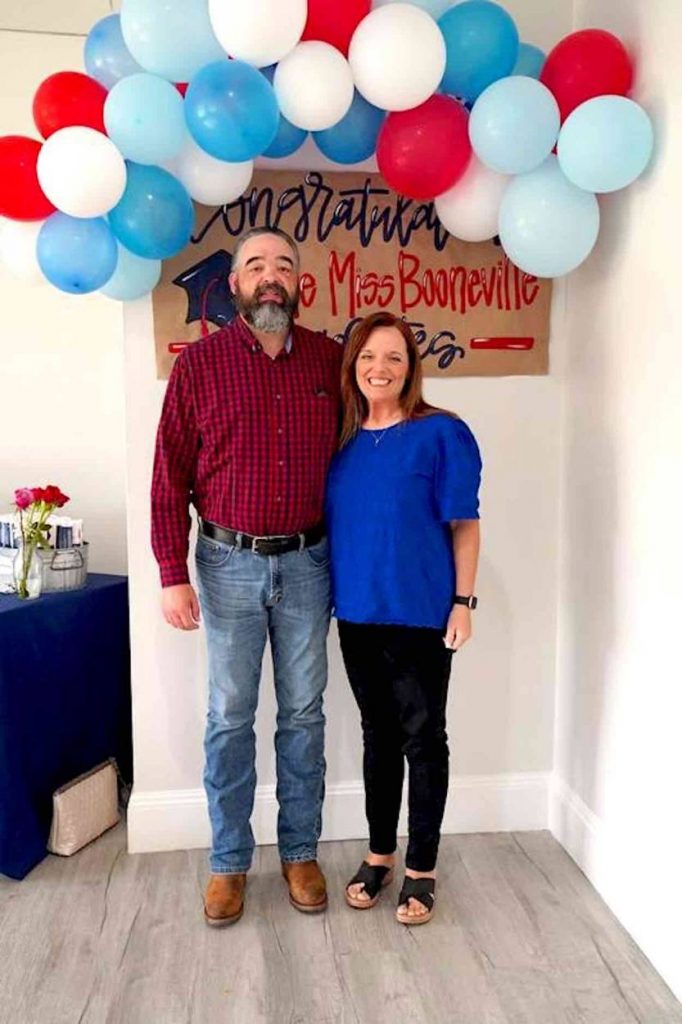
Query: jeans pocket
(318, 553)
(213, 553)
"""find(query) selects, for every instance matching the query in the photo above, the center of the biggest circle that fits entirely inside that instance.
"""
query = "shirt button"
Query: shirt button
(278, 498)
(278, 396)
(279, 430)
(281, 462)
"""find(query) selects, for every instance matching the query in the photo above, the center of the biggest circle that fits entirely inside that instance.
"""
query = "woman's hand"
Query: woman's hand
(458, 629)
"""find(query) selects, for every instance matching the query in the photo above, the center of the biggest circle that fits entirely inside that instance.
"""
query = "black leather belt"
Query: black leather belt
(265, 545)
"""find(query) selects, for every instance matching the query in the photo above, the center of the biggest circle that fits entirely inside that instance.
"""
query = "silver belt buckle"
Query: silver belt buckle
(254, 546)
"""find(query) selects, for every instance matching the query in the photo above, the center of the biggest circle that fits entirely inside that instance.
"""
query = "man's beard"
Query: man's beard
(268, 317)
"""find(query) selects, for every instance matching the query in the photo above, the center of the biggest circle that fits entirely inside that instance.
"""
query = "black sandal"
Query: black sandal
(373, 878)
(424, 891)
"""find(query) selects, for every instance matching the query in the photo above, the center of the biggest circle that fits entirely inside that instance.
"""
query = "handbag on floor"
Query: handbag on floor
(84, 808)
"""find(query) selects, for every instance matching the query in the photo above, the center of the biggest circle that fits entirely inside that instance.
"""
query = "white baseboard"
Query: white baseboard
(178, 819)
(632, 871)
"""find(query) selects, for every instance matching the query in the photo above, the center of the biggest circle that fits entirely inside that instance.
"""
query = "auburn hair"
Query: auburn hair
(355, 407)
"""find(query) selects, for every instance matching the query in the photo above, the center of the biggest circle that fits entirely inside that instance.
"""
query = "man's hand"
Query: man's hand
(458, 629)
(180, 606)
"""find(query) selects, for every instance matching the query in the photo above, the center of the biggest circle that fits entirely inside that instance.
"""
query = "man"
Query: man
(248, 428)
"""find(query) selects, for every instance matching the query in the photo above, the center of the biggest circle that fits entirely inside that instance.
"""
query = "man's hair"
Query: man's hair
(255, 233)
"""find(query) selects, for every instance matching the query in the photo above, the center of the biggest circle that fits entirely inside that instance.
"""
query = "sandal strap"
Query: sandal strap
(371, 876)
(421, 889)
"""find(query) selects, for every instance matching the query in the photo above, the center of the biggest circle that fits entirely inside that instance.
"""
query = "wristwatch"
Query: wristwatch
(470, 601)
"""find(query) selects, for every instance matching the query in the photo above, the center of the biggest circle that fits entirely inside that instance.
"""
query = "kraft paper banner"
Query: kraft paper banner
(363, 248)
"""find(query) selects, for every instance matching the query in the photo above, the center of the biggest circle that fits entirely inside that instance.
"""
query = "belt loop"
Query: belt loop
(301, 541)
(238, 542)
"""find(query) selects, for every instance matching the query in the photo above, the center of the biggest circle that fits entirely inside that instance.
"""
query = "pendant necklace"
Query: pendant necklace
(378, 435)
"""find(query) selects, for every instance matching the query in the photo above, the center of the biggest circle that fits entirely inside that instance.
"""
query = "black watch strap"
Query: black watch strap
(470, 601)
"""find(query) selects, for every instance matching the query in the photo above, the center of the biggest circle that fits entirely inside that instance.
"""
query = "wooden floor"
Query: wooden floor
(520, 937)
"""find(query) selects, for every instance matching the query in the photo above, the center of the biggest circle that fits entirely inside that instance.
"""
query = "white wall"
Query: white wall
(62, 402)
(618, 754)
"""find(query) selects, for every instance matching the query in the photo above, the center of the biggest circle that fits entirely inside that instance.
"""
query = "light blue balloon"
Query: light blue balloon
(144, 117)
(547, 225)
(170, 38)
(155, 216)
(530, 61)
(482, 45)
(514, 124)
(133, 277)
(106, 56)
(354, 138)
(289, 136)
(433, 7)
(605, 144)
(231, 111)
(76, 254)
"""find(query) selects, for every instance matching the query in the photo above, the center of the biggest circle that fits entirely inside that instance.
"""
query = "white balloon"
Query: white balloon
(18, 249)
(259, 32)
(471, 208)
(397, 55)
(82, 172)
(314, 86)
(210, 181)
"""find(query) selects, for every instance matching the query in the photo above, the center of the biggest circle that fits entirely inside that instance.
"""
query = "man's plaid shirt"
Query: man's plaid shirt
(244, 438)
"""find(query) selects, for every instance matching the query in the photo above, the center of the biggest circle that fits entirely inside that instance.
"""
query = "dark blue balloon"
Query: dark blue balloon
(530, 61)
(354, 138)
(76, 254)
(231, 110)
(289, 137)
(155, 215)
(482, 44)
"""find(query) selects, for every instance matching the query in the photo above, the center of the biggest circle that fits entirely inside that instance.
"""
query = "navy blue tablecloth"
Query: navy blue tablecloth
(64, 704)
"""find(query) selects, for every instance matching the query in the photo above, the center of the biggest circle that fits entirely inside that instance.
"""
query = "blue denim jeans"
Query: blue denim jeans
(246, 598)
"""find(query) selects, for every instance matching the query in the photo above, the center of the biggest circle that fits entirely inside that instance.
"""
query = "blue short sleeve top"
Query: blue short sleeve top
(391, 496)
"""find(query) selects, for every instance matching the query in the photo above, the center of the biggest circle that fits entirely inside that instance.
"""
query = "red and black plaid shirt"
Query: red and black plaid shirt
(244, 438)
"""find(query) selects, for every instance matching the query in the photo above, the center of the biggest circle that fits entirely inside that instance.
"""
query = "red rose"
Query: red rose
(23, 497)
(38, 493)
(52, 495)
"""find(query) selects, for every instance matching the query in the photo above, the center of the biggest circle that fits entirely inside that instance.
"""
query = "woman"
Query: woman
(402, 517)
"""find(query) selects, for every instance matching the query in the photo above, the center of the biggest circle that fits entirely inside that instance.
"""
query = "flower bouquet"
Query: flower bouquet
(34, 506)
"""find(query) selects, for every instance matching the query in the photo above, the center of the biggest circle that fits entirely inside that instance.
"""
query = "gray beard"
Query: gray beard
(268, 317)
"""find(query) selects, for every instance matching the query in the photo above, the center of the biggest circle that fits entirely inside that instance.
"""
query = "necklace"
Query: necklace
(378, 438)
(378, 435)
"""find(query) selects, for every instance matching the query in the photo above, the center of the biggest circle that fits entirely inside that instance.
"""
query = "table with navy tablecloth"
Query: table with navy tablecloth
(64, 704)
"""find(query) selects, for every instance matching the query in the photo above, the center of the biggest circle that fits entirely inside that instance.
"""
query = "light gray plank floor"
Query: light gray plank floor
(519, 937)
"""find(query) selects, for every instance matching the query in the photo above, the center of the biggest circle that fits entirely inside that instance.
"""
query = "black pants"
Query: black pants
(399, 675)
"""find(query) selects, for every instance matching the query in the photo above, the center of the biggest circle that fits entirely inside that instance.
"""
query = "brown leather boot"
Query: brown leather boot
(307, 885)
(224, 899)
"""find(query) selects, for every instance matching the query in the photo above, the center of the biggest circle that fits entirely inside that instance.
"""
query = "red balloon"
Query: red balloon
(69, 98)
(21, 197)
(422, 152)
(584, 65)
(335, 23)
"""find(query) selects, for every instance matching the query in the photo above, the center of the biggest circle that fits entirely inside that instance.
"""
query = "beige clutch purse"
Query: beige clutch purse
(83, 809)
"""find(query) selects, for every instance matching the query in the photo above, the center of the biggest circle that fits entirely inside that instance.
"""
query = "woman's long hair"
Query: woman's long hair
(355, 408)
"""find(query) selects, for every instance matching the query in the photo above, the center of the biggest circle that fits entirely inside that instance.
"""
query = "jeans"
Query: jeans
(399, 676)
(245, 598)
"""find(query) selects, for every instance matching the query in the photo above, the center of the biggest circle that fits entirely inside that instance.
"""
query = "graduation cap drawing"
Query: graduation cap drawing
(209, 298)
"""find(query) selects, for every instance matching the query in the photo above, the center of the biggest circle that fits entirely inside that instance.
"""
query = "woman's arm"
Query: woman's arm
(466, 539)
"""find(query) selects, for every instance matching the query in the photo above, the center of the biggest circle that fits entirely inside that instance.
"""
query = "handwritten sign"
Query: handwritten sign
(363, 249)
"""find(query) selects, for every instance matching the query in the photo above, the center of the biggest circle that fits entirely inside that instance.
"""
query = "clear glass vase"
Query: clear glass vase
(28, 572)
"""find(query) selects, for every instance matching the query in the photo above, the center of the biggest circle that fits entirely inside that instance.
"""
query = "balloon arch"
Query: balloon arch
(181, 96)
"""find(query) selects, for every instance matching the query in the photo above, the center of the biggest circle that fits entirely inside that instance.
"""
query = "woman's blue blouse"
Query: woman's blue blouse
(390, 499)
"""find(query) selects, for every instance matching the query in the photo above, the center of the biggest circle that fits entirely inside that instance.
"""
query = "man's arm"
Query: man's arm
(177, 447)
